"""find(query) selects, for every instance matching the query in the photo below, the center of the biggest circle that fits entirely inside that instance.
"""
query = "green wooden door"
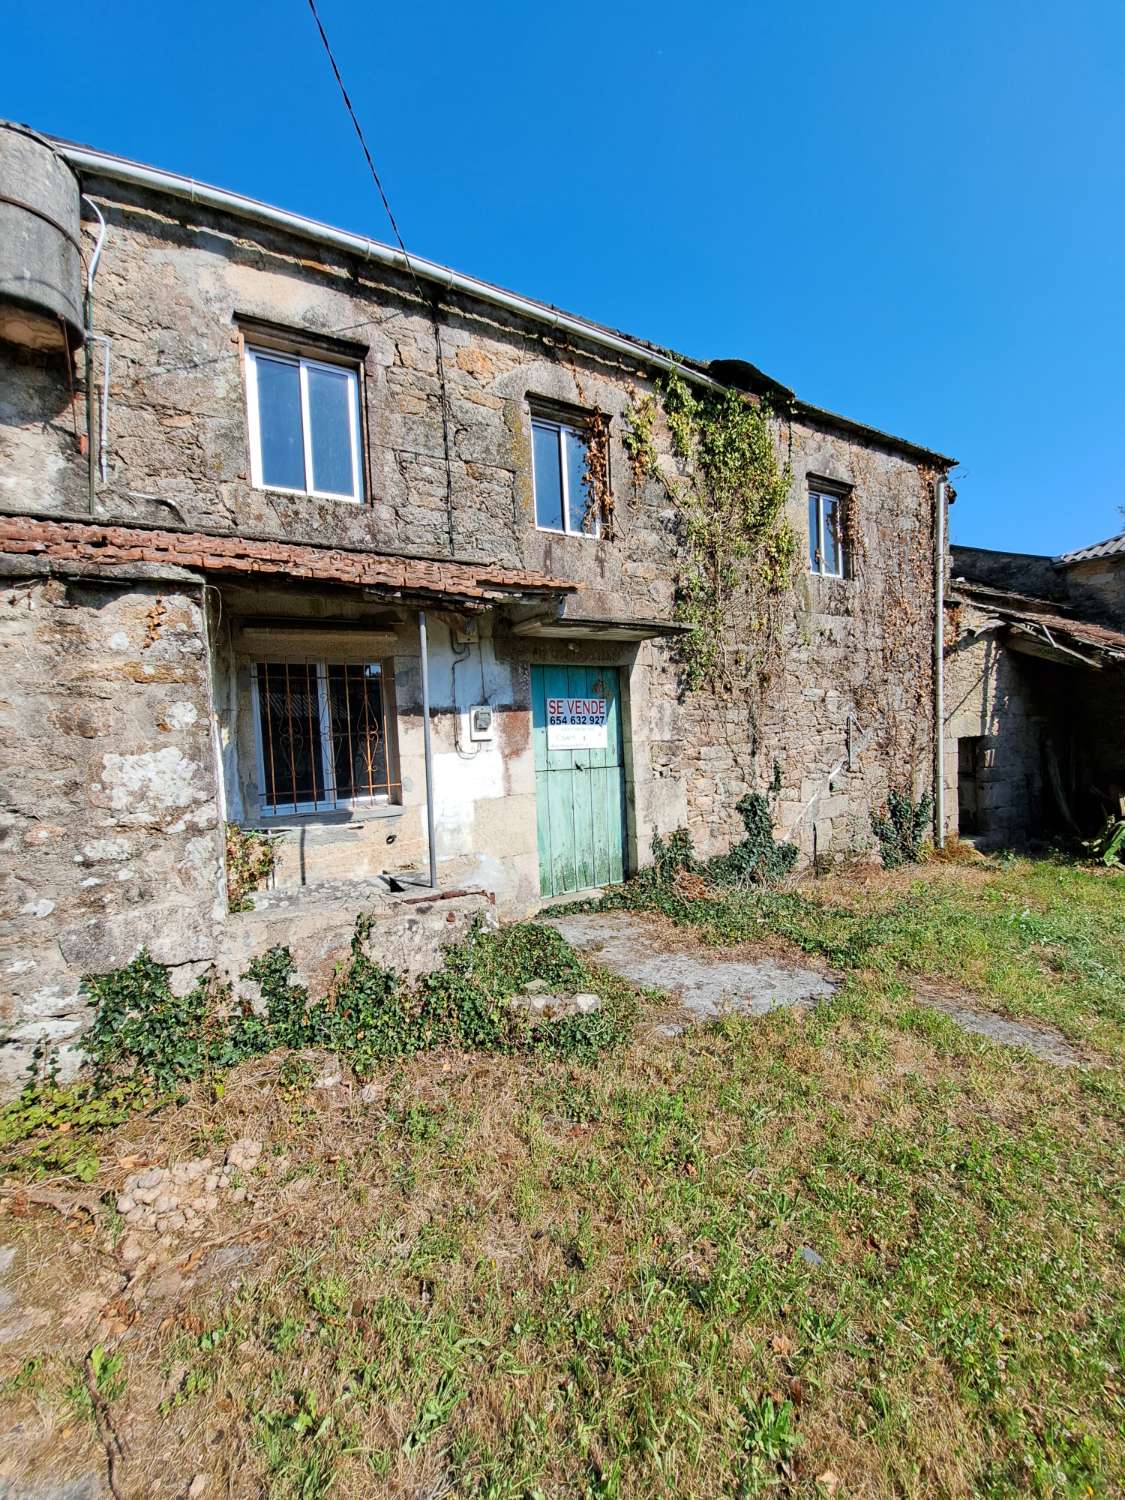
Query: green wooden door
(580, 792)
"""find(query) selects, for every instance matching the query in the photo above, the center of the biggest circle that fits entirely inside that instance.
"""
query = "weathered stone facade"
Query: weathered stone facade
(126, 700)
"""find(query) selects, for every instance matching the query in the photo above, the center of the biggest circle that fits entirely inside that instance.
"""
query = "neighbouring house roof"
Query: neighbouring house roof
(1055, 634)
(79, 542)
(724, 372)
(1113, 546)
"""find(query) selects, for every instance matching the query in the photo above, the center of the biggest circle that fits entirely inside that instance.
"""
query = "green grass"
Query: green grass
(855, 1252)
(1044, 939)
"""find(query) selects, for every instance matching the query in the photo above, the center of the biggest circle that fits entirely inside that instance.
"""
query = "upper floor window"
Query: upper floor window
(560, 457)
(304, 425)
(826, 532)
(323, 736)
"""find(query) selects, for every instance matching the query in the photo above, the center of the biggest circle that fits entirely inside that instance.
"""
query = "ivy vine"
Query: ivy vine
(739, 549)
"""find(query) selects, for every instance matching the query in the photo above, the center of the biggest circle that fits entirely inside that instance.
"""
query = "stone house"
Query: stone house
(1035, 693)
(296, 536)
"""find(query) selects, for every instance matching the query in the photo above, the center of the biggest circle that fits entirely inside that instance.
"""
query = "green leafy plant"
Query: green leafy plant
(671, 855)
(769, 1442)
(145, 1041)
(759, 858)
(1108, 848)
(738, 548)
(902, 828)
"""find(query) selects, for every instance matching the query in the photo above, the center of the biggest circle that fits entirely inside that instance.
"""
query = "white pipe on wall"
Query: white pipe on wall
(426, 746)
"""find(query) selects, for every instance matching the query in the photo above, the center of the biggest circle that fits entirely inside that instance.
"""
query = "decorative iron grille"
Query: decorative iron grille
(323, 737)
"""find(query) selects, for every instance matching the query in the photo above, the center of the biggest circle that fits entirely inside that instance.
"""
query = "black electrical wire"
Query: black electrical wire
(409, 266)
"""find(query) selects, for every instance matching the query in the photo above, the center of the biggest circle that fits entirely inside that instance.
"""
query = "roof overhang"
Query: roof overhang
(86, 546)
(556, 624)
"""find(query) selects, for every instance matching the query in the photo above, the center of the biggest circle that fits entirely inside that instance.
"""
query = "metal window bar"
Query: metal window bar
(342, 721)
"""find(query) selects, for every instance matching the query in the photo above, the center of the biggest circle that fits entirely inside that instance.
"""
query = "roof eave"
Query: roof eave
(122, 169)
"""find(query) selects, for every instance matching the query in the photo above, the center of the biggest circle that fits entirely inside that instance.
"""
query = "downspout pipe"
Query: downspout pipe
(427, 747)
(93, 449)
(939, 662)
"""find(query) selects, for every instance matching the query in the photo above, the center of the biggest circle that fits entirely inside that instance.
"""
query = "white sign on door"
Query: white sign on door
(577, 723)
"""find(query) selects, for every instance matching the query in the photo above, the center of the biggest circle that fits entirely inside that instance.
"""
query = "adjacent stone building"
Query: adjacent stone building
(1035, 694)
(268, 491)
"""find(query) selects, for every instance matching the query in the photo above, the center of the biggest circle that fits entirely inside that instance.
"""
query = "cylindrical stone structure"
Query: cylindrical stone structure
(41, 275)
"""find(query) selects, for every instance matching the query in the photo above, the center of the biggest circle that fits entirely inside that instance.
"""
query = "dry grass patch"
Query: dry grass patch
(846, 1251)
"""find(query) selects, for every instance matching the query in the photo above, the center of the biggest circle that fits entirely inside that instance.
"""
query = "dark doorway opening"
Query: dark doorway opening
(970, 755)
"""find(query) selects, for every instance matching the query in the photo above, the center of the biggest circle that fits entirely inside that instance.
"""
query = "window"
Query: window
(322, 736)
(304, 425)
(562, 494)
(826, 532)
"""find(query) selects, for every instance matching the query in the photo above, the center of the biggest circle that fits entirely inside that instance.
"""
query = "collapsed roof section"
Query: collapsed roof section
(1038, 627)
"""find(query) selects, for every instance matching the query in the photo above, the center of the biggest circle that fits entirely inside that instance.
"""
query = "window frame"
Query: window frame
(329, 802)
(254, 352)
(820, 493)
(559, 425)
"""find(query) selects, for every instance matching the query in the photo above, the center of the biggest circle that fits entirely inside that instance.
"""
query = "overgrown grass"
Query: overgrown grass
(852, 1253)
(1039, 938)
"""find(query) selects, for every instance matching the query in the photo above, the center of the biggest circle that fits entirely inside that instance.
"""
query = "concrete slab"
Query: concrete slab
(706, 985)
(1044, 1041)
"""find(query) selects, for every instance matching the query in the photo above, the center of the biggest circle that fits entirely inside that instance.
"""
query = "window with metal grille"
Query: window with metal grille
(323, 739)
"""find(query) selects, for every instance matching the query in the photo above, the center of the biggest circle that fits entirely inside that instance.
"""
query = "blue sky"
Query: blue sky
(912, 214)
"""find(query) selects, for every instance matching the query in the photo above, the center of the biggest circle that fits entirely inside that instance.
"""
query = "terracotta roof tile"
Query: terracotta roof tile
(81, 541)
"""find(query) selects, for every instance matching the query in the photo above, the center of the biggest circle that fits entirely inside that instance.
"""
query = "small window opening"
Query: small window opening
(304, 425)
(826, 533)
(560, 458)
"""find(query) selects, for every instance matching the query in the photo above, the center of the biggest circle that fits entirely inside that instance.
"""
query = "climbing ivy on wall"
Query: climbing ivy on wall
(738, 548)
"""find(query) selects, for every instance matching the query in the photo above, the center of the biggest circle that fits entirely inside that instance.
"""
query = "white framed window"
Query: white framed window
(322, 736)
(559, 455)
(304, 425)
(826, 532)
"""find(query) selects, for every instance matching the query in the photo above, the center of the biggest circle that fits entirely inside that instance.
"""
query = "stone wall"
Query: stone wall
(996, 697)
(180, 291)
(111, 827)
(1025, 709)
(1096, 588)
(112, 831)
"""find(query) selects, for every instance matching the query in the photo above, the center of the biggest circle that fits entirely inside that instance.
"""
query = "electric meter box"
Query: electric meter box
(480, 722)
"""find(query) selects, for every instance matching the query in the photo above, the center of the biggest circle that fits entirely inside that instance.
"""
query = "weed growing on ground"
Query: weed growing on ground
(902, 828)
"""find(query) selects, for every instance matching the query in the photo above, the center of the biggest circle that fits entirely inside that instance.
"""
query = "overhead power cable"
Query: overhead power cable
(431, 301)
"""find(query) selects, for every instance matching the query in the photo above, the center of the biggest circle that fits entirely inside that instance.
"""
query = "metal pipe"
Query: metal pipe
(92, 271)
(939, 664)
(427, 747)
(105, 164)
(103, 404)
(91, 447)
